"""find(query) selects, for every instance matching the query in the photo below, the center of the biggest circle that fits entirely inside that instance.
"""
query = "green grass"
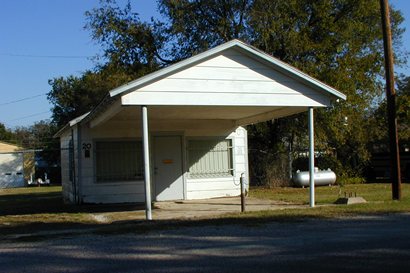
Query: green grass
(378, 197)
(26, 210)
(326, 195)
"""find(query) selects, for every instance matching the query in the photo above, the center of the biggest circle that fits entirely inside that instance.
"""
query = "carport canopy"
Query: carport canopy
(234, 83)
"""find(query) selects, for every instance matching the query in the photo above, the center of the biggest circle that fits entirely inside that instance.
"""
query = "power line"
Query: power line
(29, 116)
(23, 99)
(46, 56)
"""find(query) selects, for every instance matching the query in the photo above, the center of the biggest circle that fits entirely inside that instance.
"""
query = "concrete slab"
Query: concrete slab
(185, 209)
(189, 209)
(351, 200)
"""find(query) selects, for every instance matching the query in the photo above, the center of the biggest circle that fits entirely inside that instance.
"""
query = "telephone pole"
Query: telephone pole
(395, 175)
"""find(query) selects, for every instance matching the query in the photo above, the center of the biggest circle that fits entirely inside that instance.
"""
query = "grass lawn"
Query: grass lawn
(378, 197)
(380, 192)
(41, 208)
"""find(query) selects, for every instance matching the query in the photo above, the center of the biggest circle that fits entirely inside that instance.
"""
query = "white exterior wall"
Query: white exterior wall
(67, 184)
(122, 192)
(107, 192)
(11, 170)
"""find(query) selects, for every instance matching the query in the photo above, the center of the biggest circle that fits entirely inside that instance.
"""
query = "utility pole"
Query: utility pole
(395, 175)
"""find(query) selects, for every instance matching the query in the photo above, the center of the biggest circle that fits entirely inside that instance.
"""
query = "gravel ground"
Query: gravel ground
(365, 244)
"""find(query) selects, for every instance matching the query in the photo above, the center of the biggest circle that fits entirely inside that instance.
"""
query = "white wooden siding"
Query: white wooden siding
(119, 192)
(125, 192)
(230, 78)
(112, 198)
(103, 192)
(68, 194)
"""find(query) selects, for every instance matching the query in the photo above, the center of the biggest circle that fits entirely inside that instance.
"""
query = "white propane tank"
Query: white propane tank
(321, 178)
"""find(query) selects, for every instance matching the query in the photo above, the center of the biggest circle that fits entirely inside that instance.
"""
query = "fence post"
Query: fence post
(242, 180)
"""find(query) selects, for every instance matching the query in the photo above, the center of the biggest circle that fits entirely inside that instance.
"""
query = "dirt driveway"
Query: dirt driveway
(362, 244)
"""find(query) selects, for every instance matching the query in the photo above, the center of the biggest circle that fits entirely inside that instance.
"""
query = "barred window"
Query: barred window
(210, 158)
(118, 161)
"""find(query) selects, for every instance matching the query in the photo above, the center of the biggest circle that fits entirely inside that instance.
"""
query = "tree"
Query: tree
(128, 43)
(336, 41)
(195, 26)
(379, 118)
(73, 96)
(403, 109)
(36, 136)
(5, 134)
(40, 138)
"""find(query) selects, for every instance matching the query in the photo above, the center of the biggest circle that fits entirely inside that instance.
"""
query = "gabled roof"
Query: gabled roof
(242, 47)
(250, 50)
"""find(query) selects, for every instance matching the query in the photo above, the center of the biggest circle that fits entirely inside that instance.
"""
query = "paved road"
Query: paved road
(367, 244)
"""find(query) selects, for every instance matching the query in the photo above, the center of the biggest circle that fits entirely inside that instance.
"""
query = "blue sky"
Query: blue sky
(34, 32)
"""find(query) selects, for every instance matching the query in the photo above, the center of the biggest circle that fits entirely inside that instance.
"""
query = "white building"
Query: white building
(11, 166)
(186, 121)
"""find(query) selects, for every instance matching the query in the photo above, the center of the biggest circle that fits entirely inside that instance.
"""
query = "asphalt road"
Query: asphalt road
(366, 244)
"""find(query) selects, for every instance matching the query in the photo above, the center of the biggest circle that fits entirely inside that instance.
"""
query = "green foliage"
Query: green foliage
(379, 141)
(195, 25)
(40, 136)
(127, 41)
(403, 110)
(340, 43)
(350, 180)
(73, 96)
(5, 133)
(336, 41)
(36, 136)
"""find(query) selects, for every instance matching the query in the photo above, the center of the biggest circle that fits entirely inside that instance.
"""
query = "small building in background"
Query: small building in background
(16, 165)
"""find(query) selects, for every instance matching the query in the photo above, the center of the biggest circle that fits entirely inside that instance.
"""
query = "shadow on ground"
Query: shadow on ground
(34, 231)
(339, 245)
(52, 202)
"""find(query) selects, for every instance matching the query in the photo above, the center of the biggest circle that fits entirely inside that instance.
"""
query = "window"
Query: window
(210, 158)
(118, 161)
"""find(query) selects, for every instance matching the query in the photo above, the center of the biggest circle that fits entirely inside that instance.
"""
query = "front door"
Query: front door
(168, 168)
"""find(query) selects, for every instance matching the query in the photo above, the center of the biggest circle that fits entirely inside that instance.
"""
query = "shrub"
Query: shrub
(344, 180)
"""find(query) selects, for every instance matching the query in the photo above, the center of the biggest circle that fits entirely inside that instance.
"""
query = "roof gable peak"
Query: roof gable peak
(245, 49)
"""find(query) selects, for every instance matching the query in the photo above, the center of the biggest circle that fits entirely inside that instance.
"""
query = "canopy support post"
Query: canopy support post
(147, 174)
(311, 159)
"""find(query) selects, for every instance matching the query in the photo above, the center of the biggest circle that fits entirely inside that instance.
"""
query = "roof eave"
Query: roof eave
(289, 68)
(70, 124)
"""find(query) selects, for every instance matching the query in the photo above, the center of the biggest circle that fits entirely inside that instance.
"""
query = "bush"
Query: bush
(269, 169)
(343, 180)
